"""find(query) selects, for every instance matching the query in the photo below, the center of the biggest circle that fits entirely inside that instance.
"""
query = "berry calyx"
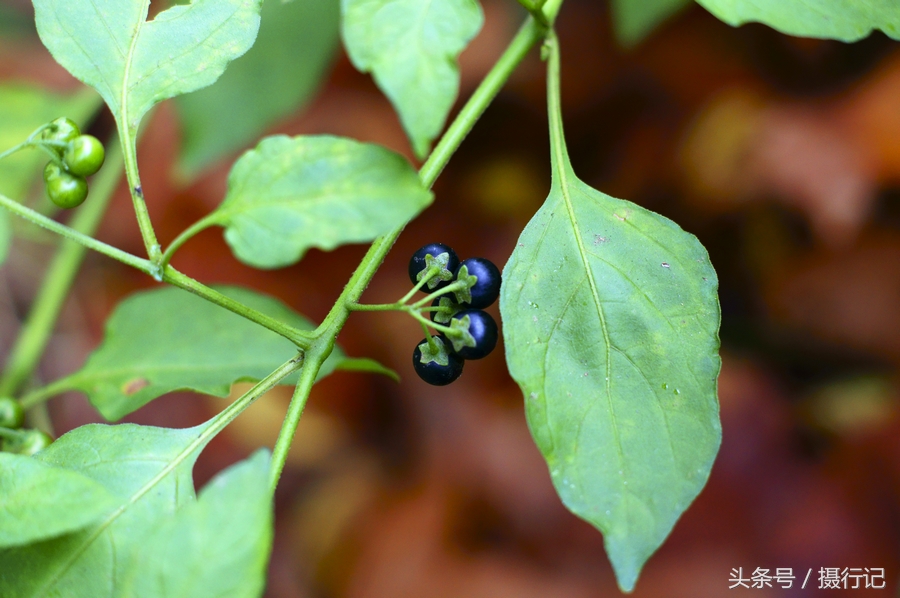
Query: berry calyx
(476, 334)
(437, 365)
(482, 278)
(443, 317)
(433, 255)
(84, 155)
(61, 131)
(65, 189)
(12, 414)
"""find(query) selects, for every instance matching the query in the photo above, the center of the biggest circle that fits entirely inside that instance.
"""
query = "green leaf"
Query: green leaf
(846, 20)
(411, 48)
(217, 546)
(633, 20)
(39, 501)
(168, 339)
(134, 63)
(146, 469)
(290, 194)
(610, 322)
(296, 44)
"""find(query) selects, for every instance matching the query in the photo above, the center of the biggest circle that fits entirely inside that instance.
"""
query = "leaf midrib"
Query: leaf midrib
(101, 527)
(562, 160)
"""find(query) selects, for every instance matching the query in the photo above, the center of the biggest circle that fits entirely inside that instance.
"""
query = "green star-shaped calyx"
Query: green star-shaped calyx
(464, 295)
(459, 334)
(428, 355)
(441, 260)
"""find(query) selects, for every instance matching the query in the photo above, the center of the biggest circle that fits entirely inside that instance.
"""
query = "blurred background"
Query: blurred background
(781, 154)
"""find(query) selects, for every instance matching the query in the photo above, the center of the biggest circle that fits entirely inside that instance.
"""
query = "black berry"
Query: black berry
(431, 255)
(437, 367)
(483, 279)
(478, 335)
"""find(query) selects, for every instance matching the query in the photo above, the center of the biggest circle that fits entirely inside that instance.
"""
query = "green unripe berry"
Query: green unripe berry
(84, 156)
(65, 189)
(32, 442)
(12, 415)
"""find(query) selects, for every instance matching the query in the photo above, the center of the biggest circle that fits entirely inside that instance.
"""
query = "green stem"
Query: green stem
(426, 322)
(326, 334)
(430, 339)
(36, 331)
(429, 274)
(376, 307)
(450, 288)
(295, 410)
(12, 434)
(39, 395)
(181, 239)
(301, 338)
(228, 415)
(129, 151)
(75, 235)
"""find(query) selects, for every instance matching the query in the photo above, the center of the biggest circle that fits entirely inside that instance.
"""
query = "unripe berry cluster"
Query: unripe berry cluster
(77, 156)
(472, 285)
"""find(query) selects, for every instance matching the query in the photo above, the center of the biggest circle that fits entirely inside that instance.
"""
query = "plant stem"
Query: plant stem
(36, 331)
(181, 239)
(129, 151)
(326, 334)
(75, 235)
(301, 338)
(450, 288)
(295, 410)
(228, 415)
(376, 307)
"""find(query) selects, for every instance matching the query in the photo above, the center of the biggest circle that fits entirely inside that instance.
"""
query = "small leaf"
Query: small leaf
(633, 20)
(279, 74)
(39, 501)
(846, 20)
(610, 321)
(168, 339)
(364, 364)
(290, 194)
(148, 472)
(216, 546)
(134, 63)
(411, 48)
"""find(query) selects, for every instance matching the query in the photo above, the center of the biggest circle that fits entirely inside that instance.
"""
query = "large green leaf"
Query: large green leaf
(39, 501)
(411, 48)
(610, 321)
(217, 546)
(846, 20)
(147, 470)
(168, 339)
(633, 20)
(290, 194)
(134, 63)
(25, 108)
(296, 44)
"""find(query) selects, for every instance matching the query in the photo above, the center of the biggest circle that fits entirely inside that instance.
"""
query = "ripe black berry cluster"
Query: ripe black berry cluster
(467, 332)
(76, 156)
